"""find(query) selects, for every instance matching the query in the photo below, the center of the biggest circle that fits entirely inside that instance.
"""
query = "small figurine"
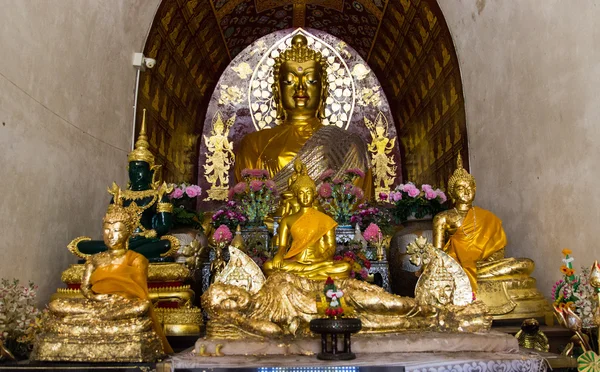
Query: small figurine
(530, 336)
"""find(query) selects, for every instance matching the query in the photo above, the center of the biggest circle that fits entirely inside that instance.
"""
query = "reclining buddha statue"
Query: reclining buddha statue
(114, 320)
(474, 237)
(300, 90)
(150, 237)
(285, 303)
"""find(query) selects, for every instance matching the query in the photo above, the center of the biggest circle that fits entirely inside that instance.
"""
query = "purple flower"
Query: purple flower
(222, 234)
(255, 173)
(337, 181)
(327, 174)
(325, 190)
(356, 172)
(383, 196)
(177, 193)
(364, 273)
(256, 185)
(358, 192)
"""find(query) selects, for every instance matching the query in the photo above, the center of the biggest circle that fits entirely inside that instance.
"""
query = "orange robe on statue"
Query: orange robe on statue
(480, 236)
(128, 280)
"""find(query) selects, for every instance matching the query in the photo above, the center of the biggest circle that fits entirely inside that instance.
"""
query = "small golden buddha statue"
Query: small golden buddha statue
(474, 237)
(307, 239)
(299, 91)
(114, 321)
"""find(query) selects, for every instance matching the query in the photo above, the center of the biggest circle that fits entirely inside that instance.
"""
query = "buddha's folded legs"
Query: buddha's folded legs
(119, 308)
(507, 268)
(314, 271)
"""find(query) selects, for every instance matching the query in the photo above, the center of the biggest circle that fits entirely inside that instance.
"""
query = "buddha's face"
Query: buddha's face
(115, 234)
(464, 192)
(139, 173)
(445, 293)
(300, 87)
(306, 196)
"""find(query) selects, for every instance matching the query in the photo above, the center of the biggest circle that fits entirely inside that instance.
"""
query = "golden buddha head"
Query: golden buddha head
(300, 81)
(119, 223)
(305, 190)
(461, 186)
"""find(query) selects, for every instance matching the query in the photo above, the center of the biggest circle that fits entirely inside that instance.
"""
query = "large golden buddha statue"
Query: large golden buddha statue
(114, 321)
(474, 237)
(300, 91)
(307, 239)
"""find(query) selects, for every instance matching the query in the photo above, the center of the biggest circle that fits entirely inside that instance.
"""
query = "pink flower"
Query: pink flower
(383, 196)
(364, 273)
(177, 193)
(373, 233)
(411, 190)
(441, 196)
(255, 173)
(230, 193)
(356, 172)
(239, 188)
(193, 191)
(271, 185)
(430, 194)
(327, 174)
(325, 190)
(425, 187)
(358, 192)
(337, 181)
(256, 185)
(222, 234)
(395, 196)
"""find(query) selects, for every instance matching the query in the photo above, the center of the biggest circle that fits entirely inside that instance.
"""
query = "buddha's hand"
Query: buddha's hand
(149, 234)
(104, 297)
(277, 261)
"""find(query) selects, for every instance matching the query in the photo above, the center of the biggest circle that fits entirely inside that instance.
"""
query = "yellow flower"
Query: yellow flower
(564, 269)
(570, 272)
(570, 305)
(566, 251)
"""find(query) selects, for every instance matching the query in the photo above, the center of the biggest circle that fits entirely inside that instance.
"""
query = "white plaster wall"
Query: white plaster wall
(531, 80)
(66, 96)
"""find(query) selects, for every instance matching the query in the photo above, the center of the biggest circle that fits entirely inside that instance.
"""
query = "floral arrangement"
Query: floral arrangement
(339, 197)
(374, 236)
(229, 215)
(19, 317)
(222, 235)
(354, 255)
(574, 292)
(409, 200)
(380, 214)
(183, 197)
(333, 295)
(255, 195)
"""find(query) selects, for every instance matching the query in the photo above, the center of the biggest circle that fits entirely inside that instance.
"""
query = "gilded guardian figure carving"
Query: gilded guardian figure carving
(150, 238)
(475, 238)
(300, 90)
(114, 321)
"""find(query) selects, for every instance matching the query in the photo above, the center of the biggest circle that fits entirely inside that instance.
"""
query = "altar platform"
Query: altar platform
(440, 362)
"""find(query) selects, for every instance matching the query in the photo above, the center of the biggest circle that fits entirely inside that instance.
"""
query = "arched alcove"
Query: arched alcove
(405, 42)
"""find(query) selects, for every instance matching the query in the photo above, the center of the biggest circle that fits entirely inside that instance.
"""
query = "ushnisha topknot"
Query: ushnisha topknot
(460, 174)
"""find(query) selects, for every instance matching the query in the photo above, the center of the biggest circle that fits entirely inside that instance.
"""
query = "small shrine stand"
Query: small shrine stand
(333, 327)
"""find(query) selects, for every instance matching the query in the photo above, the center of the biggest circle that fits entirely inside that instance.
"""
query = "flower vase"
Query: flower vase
(402, 271)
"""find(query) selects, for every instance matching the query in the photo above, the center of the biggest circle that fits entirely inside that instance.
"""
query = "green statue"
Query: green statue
(149, 238)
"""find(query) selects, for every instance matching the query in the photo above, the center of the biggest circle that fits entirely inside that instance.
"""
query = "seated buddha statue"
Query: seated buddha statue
(475, 238)
(299, 91)
(307, 239)
(150, 237)
(115, 316)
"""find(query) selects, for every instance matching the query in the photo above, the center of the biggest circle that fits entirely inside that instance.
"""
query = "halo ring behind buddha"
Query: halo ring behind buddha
(342, 93)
